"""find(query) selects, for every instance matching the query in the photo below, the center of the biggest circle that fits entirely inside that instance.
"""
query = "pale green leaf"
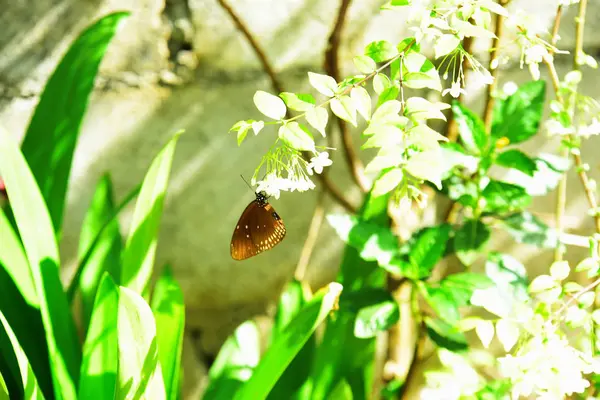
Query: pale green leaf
(421, 72)
(485, 331)
(257, 126)
(427, 166)
(387, 157)
(419, 109)
(381, 50)
(362, 102)
(140, 374)
(324, 84)
(560, 270)
(298, 102)
(344, 108)
(269, 105)
(507, 333)
(387, 112)
(293, 135)
(387, 182)
(445, 44)
(317, 117)
(542, 283)
(364, 64)
(380, 83)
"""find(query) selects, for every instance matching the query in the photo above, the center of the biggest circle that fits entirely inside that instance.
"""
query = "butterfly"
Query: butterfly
(259, 229)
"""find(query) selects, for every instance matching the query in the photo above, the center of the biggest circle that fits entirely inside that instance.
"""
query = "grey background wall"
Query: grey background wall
(183, 64)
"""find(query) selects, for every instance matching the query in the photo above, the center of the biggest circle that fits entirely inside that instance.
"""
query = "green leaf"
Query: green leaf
(362, 102)
(502, 197)
(298, 102)
(518, 117)
(518, 160)
(381, 50)
(290, 384)
(388, 181)
(269, 105)
(504, 269)
(85, 258)
(388, 94)
(408, 45)
(169, 311)
(549, 171)
(20, 305)
(344, 108)
(419, 109)
(443, 304)
(35, 228)
(373, 241)
(283, 350)
(445, 44)
(52, 134)
(461, 286)
(381, 82)
(106, 253)
(470, 240)
(20, 381)
(317, 118)
(140, 374)
(140, 248)
(324, 84)
(462, 191)
(242, 128)
(364, 64)
(376, 318)
(296, 136)
(428, 248)
(341, 355)
(445, 335)
(235, 362)
(525, 227)
(420, 73)
(100, 364)
(428, 166)
(471, 129)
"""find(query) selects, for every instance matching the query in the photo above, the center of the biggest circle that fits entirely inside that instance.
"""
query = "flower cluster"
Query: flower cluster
(287, 170)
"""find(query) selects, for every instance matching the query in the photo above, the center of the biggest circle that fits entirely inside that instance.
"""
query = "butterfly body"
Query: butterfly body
(259, 229)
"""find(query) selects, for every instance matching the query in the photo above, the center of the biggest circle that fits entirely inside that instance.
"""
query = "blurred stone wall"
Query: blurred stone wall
(183, 64)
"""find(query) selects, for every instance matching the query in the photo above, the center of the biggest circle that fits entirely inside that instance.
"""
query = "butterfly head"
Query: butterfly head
(262, 198)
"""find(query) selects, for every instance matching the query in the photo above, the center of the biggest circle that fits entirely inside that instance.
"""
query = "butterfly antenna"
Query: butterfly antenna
(244, 179)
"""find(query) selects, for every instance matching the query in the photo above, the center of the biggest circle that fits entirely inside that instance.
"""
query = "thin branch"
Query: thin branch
(335, 193)
(311, 237)
(262, 57)
(490, 100)
(332, 68)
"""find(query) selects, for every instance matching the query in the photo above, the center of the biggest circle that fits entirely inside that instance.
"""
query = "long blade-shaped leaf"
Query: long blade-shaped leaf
(283, 350)
(35, 228)
(106, 253)
(50, 140)
(140, 374)
(169, 312)
(100, 363)
(140, 249)
(28, 387)
(235, 362)
(20, 305)
(341, 355)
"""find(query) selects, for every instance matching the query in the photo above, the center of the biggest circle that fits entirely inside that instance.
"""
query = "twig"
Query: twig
(490, 100)
(332, 68)
(311, 237)
(335, 193)
(254, 44)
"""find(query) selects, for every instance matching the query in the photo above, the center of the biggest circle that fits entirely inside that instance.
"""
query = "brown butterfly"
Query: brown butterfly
(259, 229)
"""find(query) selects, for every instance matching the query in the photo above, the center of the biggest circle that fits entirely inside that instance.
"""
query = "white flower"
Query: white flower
(455, 90)
(535, 54)
(554, 127)
(592, 129)
(319, 162)
(270, 185)
(510, 88)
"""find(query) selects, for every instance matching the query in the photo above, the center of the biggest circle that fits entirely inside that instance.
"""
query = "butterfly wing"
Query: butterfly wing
(259, 229)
